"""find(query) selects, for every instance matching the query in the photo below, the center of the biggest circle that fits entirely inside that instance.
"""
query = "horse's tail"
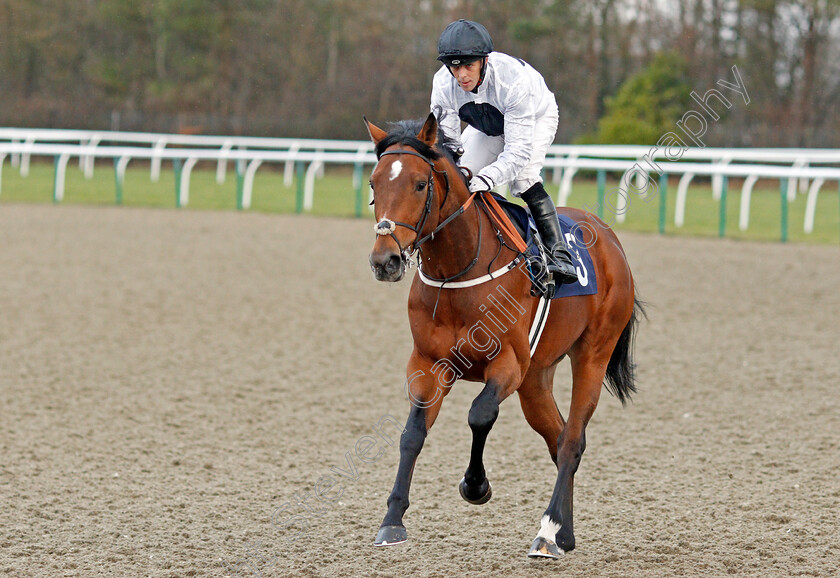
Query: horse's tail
(621, 374)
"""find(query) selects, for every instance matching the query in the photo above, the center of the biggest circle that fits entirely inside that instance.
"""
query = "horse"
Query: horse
(473, 327)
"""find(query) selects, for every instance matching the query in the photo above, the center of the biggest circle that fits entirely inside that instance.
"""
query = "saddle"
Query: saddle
(524, 225)
(520, 222)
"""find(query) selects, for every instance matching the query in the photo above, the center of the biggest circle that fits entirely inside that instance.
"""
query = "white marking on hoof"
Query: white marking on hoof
(548, 528)
(386, 543)
(542, 548)
(390, 536)
(396, 169)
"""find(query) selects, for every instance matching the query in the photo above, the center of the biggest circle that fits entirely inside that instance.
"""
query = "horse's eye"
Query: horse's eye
(370, 204)
(421, 185)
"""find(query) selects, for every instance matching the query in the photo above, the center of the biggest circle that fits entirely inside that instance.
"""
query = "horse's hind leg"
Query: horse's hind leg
(537, 399)
(556, 526)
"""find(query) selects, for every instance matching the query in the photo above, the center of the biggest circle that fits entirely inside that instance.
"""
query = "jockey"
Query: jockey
(511, 118)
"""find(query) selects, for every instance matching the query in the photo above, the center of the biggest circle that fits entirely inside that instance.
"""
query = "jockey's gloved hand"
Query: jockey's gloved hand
(480, 184)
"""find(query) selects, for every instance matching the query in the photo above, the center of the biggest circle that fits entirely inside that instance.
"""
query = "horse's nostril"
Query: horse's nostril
(393, 264)
(386, 265)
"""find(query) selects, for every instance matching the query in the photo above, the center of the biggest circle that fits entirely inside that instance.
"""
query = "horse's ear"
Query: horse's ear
(428, 134)
(376, 133)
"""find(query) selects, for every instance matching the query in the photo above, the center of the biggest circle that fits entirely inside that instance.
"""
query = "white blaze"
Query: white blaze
(396, 169)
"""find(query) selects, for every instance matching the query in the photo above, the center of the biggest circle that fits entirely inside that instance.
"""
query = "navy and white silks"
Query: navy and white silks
(512, 119)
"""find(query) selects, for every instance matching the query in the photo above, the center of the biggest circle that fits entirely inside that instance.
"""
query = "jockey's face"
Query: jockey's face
(467, 75)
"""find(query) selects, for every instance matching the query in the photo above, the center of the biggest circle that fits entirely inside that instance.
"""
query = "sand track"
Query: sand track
(169, 379)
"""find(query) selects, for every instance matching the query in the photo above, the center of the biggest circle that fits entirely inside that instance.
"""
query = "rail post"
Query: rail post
(663, 201)
(117, 181)
(299, 175)
(783, 185)
(2, 160)
(602, 185)
(56, 196)
(357, 179)
(240, 180)
(724, 182)
(176, 167)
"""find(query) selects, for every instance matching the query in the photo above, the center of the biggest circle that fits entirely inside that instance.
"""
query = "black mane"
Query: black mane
(405, 132)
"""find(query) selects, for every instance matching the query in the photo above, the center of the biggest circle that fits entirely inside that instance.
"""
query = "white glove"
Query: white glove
(480, 184)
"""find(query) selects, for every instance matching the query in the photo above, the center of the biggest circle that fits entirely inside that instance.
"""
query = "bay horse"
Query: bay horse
(462, 312)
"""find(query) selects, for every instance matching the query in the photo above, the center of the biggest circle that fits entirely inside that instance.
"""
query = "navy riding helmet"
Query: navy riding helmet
(464, 41)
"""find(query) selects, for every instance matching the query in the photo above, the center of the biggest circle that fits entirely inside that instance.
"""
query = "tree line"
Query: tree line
(312, 68)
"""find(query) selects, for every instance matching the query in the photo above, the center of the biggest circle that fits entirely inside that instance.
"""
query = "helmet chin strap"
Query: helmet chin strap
(481, 74)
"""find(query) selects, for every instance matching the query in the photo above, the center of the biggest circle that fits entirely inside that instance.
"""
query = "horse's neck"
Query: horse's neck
(455, 246)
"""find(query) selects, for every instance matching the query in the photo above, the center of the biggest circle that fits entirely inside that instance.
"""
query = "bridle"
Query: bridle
(388, 227)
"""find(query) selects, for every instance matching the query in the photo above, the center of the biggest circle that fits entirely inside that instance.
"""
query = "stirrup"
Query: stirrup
(560, 264)
(542, 280)
(564, 277)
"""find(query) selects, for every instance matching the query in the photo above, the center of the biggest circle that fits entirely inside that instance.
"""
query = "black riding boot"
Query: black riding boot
(545, 216)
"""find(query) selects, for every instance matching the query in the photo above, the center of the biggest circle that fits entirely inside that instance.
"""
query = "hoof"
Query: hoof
(485, 494)
(390, 535)
(543, 548)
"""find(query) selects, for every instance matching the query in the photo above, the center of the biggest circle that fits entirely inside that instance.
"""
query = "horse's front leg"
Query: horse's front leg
(475, 487)
(426, 395)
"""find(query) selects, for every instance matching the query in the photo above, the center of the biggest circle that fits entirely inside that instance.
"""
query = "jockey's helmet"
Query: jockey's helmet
(464, 41)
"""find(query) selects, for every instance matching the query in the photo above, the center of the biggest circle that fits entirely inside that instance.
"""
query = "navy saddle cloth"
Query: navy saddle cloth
(586, 284)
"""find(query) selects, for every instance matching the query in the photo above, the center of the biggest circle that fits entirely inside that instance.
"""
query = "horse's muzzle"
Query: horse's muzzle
(387, 266)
